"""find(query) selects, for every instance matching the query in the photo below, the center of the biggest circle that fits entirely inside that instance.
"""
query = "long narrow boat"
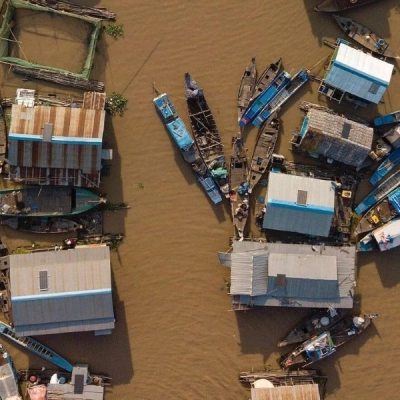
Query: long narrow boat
(391, 161)
(391, 118)
(319, 321)
(263, 150)
(365, 37)
(41, 225)
(206, 134)
(266, 78)
(246, 87)
(35, 347)
(294, 85)
(238, 186)
(279, 83)
(186, 145)
(381, 213)
(379, 193)
(47, 201)
(340, 5)
(327, 342)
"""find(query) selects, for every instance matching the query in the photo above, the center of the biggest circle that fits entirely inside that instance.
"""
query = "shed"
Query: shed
(335, 137)
(356, 73)
(291, 275)
(52, 145)
(299, 204)
(62, 291)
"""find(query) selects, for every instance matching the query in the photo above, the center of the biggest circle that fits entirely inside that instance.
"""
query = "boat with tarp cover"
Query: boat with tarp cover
(327, 342)
(340, 5)
(381, 213)
(47, 201)
(186, 145)
(365, 37)
(319, 321)
(263, 150)
(380, 192)
(276, 86)
(246, 87)
(238, 186)
(206, 134)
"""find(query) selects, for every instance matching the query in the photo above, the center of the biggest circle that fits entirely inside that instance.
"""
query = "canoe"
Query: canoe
(365, 37)
(279, 83)
(327, 342)
(206, 134)
(186, 145)
(238, 186)
(47, 201)
(246, 87)
(266, 78)
(379, 193)
(263, 150)
(340, 5)
(294, 85)
(391, 118)
(314, 324)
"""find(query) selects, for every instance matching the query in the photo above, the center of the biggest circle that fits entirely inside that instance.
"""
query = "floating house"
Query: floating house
(62, 291)
(290, 275)
(334, 137)
(355, 76)
(299, 204)
(52, 145)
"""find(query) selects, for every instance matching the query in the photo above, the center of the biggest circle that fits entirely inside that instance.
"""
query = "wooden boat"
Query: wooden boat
(238, 186)
(266, 78)
(206, 134)
(47, 201)
(263, 150)
(246, 87)
(319, 321)
(391, 161)
(279, 83)
(365, 37)
(327, 342)
(391, 118)
(35, 347)
(340, 5)
(186, 145)
(289, 90)
(378, 215)
(380, 192)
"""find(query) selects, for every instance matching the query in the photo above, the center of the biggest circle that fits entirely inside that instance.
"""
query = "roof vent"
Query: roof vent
(280, 280)
(43, 280)
(302, 197)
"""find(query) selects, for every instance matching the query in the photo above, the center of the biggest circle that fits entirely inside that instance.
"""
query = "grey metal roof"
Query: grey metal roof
(336, 137)
(284, 213)
(325, 293)
(78, 298)
(358, 73)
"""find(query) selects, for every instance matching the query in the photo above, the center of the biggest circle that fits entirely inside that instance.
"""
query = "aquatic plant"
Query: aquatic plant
(114, 30)
(116, 104)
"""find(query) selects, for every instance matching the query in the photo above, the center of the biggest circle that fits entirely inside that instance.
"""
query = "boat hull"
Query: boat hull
(340, 5)
(246, 87)
(266, 78)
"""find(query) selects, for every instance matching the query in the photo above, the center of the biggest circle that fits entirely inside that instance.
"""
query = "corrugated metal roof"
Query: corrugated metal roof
(295, 392)
(78, 297)
(324, 136)
(284, 213)
(343, 288)
(360, 74)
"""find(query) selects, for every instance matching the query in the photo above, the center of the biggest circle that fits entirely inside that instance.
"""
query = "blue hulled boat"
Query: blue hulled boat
(391, 161)
(294, 85)
(279, 83)
(391, 118)
(186, 145)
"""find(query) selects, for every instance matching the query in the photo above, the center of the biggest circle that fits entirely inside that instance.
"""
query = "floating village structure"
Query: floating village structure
(50, 145)
(356, 76)
(334, 137)
(62, 291)
(290, 275)
(299, 204)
